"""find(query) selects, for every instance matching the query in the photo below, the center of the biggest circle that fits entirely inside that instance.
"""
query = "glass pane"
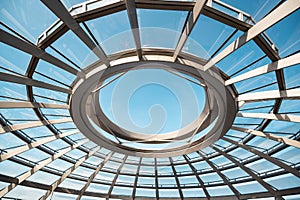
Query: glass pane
(160, 28)
(113, 32)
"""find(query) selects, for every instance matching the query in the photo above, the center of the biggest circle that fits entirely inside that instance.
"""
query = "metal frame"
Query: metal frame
(61, 12)
(251, 173)
(272, 18)
(68, 172)
(35, 51)
(31, 82)
(276, 138)
(33, 124)
(270, 95)
(24, 104)
(281, 117)
(12, 152)
(237, 193)
(71, 21)
(265, 156)
(39, 166)
(280, 64)
(189, 25)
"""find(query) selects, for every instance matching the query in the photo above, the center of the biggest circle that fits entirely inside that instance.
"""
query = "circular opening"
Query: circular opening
(152, 101)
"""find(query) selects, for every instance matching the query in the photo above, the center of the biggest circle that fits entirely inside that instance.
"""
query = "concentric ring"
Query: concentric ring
(220, 101)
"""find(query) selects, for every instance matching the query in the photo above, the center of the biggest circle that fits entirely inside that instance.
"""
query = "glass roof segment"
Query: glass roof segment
(137, 59)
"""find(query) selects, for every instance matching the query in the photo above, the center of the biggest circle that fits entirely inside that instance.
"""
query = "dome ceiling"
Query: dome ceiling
(144, 99)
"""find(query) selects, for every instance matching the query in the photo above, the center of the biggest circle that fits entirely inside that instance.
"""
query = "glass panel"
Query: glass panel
(8, 61)
(65, 78)
(122, 190)
(143, 192)
(193, 192)
(74, 49)
(160, 28)
(211, 178)
(235, 173)
(188, 180)
(240, 153)
(257, 84)
(256, 9)
(285, 34)
(262, 166)
(262, 143)
(19, 115)
(289, 155)
(203, 42)
(60, 165)
(168, 193)
(83, 171)
(284, 181)
(43, 177)
(49, 96)
(64, 196)
(290, 106)
(34, 155)
(98, 188)
(111, 31)
(249, 187)
(73, 184)
(105, 176)
(291, 74)
(36, 132)
(22, 17)
(9, 140)
(22, 192)
(76, 154)
(12, 92)
(12, 169)
(123, 179)
(146, 181)
(240, 58)
(250, 123)
(168, 181)
(220, 191)
(220, 160)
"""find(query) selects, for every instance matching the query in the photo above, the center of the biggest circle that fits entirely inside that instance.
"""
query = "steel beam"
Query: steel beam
(284, 192)
(27, 104)
(272, 18)
(116, 176)
(136, 178)
(61, 12)
(281, 117)
(265, 156)
(92, 176)
(156, 178)
(12, 152)
(250, 172)
(68, 172)
(33, 124)
(133, 20)
(189, 25)
(176, 178)
(280, 64)
(270, 95)
(198, 177)
(33, 50)
(31, 82)
(236, 193)
(276, 138)
(39, 166)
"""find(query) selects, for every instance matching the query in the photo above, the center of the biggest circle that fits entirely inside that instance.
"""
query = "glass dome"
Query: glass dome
(150, 99)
